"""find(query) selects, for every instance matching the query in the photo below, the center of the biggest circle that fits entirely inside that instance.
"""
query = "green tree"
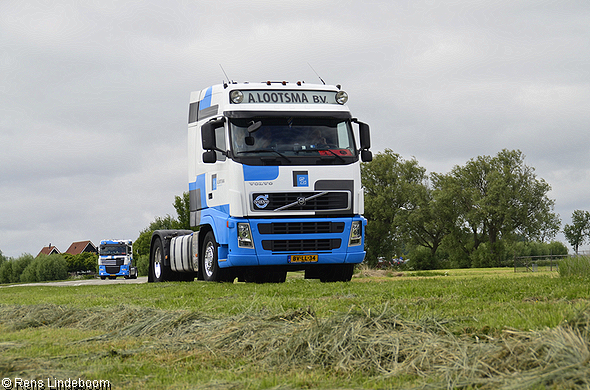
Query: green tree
(499, 199)
(390, 184)
(578, 233)
(182, 207)
(141, 246)
(6, 272)
(429, 221)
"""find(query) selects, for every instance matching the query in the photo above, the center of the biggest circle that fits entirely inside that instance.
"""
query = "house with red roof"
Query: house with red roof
(80, 247)
(49, 250)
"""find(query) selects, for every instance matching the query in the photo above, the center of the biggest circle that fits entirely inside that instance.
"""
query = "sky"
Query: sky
(94, 95)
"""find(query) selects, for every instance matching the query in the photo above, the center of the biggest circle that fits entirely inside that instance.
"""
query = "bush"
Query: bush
(29, 274)
(536, 248)
(142, 263)
(575, 266)
(12, 269)
(43, 268)
(19, 265)
(420, 258)
(6, 272)
(82, 262)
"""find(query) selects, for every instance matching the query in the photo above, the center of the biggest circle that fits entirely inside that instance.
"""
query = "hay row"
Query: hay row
(359, 341)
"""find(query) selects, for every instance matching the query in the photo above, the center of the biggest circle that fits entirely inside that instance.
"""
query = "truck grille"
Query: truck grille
(113, 262)
(301, 227)
(301, 245)
(112, 269)
(301, 201)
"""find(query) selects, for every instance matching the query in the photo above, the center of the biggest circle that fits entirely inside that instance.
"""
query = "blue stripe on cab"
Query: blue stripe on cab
(206, 102)
(254, 173)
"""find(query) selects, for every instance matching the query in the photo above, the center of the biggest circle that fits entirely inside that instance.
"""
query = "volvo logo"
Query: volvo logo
(261, 201)
(300, 200)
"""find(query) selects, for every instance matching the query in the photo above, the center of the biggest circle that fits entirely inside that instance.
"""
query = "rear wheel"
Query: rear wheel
(158, 271)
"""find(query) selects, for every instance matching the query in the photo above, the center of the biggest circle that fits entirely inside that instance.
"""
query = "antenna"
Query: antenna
(323, 82)
(223, 70)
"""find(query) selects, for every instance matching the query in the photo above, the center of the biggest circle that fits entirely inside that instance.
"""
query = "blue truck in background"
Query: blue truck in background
(115, 258)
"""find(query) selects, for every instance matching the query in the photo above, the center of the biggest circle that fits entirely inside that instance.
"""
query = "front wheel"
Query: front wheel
(210, 265)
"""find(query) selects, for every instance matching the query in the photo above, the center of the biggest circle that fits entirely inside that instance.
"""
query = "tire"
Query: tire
(158, 271)
(209, 262)
(103, 277)
(337, 273)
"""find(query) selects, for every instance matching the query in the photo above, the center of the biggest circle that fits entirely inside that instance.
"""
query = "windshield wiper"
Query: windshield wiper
(266, 151)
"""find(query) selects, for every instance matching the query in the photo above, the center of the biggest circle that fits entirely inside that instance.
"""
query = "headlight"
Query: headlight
(341, 97)
(236, 97)
(245, 236)
(356, 233)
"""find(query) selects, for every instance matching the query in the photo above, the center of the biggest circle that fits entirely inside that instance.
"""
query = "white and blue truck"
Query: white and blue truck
(274, 186)
(115, 258)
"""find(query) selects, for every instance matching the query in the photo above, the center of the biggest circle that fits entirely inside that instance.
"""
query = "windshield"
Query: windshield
(110, 250)
(293, 140)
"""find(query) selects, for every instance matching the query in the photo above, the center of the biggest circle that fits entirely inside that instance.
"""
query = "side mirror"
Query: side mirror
(366, 155)
(209, 157)
(365, 135)
(208, 133)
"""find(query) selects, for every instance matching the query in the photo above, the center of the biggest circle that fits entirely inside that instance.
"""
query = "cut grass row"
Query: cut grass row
(375, 332)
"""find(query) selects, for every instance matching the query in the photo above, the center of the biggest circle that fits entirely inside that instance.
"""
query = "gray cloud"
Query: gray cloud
(94, 96)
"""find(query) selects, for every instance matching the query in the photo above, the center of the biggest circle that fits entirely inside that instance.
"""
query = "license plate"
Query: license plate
(303, 258)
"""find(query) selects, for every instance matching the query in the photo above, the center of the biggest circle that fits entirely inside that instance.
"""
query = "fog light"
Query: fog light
(245, 236)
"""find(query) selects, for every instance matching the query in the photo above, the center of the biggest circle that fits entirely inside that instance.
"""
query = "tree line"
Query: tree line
(480, 214)
(28, 269)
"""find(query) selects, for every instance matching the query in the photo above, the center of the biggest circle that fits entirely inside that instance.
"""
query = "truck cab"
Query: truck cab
(274, 184)
(115, 258)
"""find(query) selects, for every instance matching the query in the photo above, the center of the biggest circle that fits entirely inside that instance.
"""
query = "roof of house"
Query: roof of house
(49, 250)
(81, 246)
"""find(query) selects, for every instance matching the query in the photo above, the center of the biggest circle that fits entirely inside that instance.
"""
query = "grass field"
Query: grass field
(486, 328)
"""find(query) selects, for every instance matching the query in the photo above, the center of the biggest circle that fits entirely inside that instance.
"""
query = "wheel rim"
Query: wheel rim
(208, 259)
(157, 263)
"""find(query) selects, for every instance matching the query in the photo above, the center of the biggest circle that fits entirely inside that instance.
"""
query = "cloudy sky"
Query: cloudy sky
(94, 94)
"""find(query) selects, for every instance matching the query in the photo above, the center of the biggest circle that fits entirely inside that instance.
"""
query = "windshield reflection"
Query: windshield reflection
(292, 136)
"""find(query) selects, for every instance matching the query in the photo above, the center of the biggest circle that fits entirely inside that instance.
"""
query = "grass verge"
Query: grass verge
(476, 329)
